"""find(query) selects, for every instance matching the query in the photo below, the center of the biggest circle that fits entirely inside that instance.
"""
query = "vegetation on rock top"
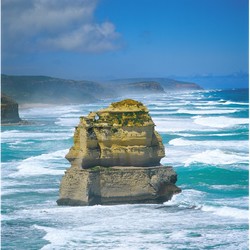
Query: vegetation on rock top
(126, 102)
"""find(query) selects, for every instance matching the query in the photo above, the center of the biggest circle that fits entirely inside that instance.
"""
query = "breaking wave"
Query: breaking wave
(220, 121)
(45, 164)
(216, 157)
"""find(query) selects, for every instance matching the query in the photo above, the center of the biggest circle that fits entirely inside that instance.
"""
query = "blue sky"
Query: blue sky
(91, 39)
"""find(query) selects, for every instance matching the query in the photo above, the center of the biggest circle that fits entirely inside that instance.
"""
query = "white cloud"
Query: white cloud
(89, 37)
(56, 24)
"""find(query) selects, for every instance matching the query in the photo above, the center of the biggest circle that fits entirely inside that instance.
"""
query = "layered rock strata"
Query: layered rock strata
(115, 159)
(117, 185)
(121, 135)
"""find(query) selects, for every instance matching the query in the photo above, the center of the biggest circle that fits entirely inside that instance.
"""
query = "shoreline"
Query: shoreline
(37, 105)
(17, 123)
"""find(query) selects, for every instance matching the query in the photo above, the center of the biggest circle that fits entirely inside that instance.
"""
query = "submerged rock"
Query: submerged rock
(115, 159)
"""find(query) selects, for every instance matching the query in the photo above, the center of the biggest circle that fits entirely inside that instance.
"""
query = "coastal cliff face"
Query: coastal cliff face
(144, 87)
(9, 110)
(115, 159)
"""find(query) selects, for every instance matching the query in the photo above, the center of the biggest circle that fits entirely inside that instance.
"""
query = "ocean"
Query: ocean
(205, 134)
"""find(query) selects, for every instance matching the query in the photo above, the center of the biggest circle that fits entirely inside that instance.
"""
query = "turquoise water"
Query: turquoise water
(205, 134)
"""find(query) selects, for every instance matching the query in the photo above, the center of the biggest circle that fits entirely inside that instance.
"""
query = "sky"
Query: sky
(108, 39)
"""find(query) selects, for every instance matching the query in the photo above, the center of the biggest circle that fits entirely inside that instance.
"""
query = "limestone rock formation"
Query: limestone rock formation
(115, 159)
(121, 135)
(117, 185)
(9, 110)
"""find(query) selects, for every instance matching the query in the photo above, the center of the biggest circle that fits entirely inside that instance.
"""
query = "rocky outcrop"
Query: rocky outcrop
(9, 110)
(115, 159)
(117, 185)
(121, 135)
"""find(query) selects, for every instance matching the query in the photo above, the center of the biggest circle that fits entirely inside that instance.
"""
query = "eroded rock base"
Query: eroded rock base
(117, 185)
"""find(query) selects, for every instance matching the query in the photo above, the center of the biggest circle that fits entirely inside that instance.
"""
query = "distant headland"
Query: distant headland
(50, 90)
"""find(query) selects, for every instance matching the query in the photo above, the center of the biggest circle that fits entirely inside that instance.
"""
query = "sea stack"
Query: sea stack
(115, 159)
(9, 111)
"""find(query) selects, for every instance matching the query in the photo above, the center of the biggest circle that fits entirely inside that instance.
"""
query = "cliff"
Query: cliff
(44, 89)
(166, 84)
(143, 87)
(115, 159)
(9, 110)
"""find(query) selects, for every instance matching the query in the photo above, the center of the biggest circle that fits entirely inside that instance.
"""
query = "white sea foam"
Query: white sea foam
(16, 136)
(207, 104)
(227, 211)
(71, 122)
(154, 113)
(236, 103)
(28, 190)
(219, 121)
(75, 115)
(217, 109)
(134, 226)
(178, 124)
(207, 135)
(217, 157)
(226, 134)
(187, 198)
(179, 156)
(45, 164)
(240, 202)
(227, 187)
(158, 108)
(53, 111)
(185, 134)
(98, 239)
(177, 235)
(241, 145)
(207, 111)
(57, 238)
(176, 157)
(195, 199)
(216, 104)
